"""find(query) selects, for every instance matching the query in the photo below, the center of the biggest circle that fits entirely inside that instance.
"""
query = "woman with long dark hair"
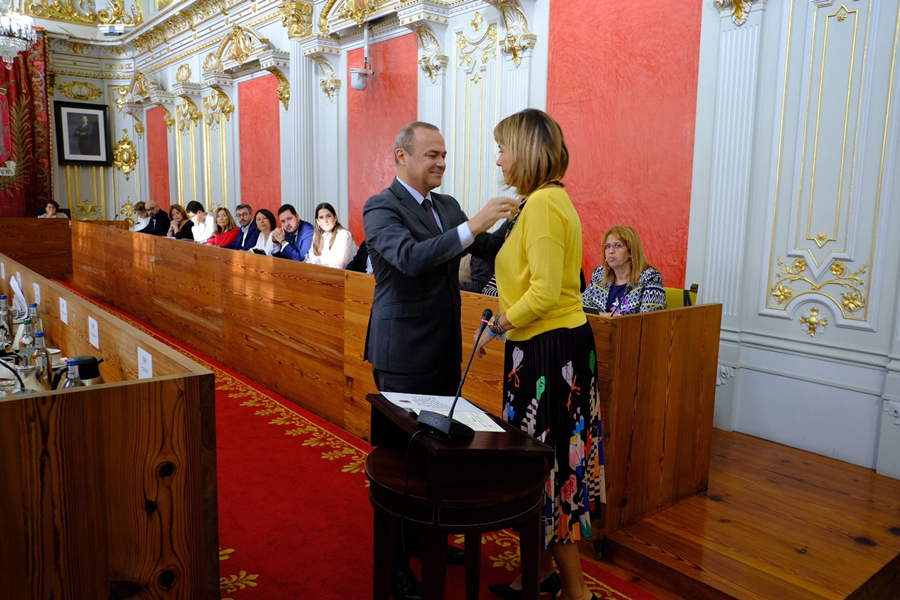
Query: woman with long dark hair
(332, 243)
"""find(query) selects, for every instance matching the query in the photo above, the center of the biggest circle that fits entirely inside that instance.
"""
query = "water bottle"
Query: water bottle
(36, 322)
(40, 360)
(26, 344)
(72, 378)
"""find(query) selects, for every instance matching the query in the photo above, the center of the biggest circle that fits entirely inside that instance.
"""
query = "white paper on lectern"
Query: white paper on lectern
(419, 402)
(478, 421)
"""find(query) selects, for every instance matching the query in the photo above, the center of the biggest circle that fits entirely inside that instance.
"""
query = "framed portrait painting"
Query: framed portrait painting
(82, 134)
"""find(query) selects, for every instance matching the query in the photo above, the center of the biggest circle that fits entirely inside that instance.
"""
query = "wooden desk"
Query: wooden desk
(300, 330)
(109, 491)
(44, 245)
(491, 482)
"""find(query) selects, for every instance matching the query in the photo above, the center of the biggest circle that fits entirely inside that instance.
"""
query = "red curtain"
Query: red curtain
(25, 133)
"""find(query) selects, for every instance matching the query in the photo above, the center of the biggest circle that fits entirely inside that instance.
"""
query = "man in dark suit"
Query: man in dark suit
(416, 238)
(246, 239)
(87, 137)
(159, 221)
(294, 237)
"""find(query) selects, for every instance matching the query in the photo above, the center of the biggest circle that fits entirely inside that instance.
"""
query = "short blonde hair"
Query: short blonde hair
(231, 224)
(638, 259)
(537, 148)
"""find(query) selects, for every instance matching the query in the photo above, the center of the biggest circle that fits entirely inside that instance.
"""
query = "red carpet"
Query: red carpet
(294, 514)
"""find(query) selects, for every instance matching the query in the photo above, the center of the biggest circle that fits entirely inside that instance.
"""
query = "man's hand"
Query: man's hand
(493, 211)
(278, 235)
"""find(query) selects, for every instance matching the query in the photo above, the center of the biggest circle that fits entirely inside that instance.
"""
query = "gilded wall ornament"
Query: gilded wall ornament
(812, 323)
(238, 44)
(739, 9)
(219, 105)
(72, 11)
(125, 155)
(116, 14)
(212, 64)
(432, 60)
(138, 126)
(80, 90)
(192, 115)
(167, 117)
(517, 40)
(850, 284)
(487, 44)
(329, 83)
(477, 20)
(323, 16)
(358, 10)
(183, 74)
(284, 87)
(189, 18)
(892, 408)
(297, 17)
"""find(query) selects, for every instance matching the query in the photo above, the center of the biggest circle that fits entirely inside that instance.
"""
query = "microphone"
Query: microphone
(445, 427)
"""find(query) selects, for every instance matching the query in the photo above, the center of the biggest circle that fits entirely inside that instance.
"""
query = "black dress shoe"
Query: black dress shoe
(405, 586)
(552, 585)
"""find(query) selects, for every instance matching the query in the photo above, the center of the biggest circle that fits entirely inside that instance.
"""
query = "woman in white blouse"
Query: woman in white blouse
(332, 244)
(265, 222)
(141, 218)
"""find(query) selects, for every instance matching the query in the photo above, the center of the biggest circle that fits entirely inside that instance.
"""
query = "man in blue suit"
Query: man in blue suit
(246, 239)
(294, 237)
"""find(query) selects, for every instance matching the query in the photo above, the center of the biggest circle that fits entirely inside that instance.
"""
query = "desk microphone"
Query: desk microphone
(445, 426)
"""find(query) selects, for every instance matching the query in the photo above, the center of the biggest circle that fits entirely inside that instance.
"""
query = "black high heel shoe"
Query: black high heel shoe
(552, 585)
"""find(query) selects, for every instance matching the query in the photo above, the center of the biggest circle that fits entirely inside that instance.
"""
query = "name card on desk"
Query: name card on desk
(94, 332)
(2, 270)
(37, 293)
(63, 310)
(145, 364)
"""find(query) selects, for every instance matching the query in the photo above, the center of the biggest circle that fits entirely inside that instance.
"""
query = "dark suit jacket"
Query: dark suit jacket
(246, 242)
(298, 244)
(158, 225)
(414, 324)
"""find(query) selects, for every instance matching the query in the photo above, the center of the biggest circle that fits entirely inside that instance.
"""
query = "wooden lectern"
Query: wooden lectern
(491, 482)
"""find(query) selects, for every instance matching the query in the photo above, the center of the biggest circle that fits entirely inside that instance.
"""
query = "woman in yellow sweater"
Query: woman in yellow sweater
(550, 387)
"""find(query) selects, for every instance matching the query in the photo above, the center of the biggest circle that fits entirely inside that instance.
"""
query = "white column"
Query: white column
(303, 86)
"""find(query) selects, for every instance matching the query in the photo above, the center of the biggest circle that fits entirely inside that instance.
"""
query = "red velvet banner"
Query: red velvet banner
(26, 134)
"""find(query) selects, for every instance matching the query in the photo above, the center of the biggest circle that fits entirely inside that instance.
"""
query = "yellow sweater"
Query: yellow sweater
(538, 269)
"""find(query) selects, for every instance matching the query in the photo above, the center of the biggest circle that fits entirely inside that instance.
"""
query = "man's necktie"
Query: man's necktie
(427, 205)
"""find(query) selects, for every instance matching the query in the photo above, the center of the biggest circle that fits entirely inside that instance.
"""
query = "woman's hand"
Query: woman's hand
(486, 337)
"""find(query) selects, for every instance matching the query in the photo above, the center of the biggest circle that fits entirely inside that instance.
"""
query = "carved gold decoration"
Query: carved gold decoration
(517, 40)
(73, 47)
(212, 64)
(358, 10)
(138, 126)
(190, 112)
(487, 45)
(812, 323)
(122, 92)
(297, 17)
(80, 90)
(284, 87)
(183, 74)
(139, 85)
(323, 16)
(239, 45)
(329, 84)
(851, 301)
(167, 117)
(218, 104)
(125, 155)
(116, 14)
(126, 211)
(72, 11)
(739, 9)
(477, 21)
(432, 60)
(189, 18)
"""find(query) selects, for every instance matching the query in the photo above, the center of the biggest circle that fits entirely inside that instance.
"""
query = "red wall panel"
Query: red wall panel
(260, 136)
(158, 157)
(374, 118)
(623, 86)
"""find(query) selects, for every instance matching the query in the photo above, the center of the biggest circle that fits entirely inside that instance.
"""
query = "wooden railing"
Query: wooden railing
(300, 330)
(109, 491)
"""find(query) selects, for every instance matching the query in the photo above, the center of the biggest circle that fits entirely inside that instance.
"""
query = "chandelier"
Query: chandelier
(17, 33)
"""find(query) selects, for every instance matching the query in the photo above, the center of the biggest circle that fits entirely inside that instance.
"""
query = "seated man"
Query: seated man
(159, 220)
(204, 222)
(248, 235)
(294, 237)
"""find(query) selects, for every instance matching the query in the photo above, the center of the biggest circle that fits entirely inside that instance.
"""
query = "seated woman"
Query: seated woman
(180, 226)
(265, 222)
(141, 217)
(51, 211)
(225, 231)
(332, 244)
(625, 283)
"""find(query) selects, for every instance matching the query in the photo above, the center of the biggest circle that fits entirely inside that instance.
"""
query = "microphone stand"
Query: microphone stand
(446, 427)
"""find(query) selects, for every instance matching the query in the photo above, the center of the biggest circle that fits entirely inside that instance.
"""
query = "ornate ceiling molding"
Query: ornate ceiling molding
(116, 14)
(82, 12)
(297, 17)
(183, 20)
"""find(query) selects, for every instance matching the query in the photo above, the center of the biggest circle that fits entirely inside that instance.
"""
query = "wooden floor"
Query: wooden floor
(776, 524)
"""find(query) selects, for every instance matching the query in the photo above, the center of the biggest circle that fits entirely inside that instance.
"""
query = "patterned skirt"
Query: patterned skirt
(550, 391)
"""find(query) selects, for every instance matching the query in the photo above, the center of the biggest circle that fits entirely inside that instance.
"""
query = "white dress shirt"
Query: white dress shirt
(140, 223)
(339, 254)
(465, 233)
(267, 244)
(204, 231)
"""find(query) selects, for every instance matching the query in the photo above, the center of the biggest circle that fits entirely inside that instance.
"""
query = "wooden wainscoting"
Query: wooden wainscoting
(44, 245)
